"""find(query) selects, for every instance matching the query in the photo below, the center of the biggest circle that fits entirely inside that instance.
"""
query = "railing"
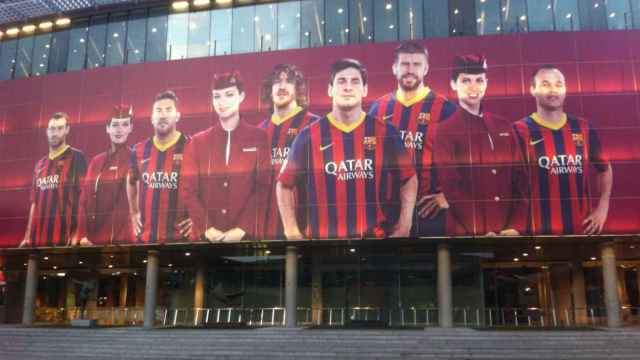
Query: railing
(104, 316)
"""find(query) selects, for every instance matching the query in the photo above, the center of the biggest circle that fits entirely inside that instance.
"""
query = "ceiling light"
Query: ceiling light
(29, 28)
(13, 31)
(45, 25)
(538, 247)
(516, 259)
(180, 5)
(201, 3)
(63, 22)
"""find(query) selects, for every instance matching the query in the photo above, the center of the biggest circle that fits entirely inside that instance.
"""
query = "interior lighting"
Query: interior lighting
(201, 3)
(47, 25)
(12, 31)
(63, 22)
(180, 5)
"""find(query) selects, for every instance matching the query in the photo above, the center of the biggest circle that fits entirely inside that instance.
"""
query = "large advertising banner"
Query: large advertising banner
(515, 135)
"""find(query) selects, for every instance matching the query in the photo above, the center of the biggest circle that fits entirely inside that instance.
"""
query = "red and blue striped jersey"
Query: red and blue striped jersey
(280, 133)
(342, 174)
(416, 120)
(57, 181)
(158, 167)
(558, 159)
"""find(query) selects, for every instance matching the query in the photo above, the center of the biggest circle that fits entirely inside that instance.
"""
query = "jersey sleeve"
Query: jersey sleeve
(296, 163)
(596, 154)
(374, 109)
(32, 194)
(134, 171)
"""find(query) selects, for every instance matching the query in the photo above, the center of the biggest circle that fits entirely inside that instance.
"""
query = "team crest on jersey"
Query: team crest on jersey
(370, 142)
(292, 132)
(424, 118)
(578, 139)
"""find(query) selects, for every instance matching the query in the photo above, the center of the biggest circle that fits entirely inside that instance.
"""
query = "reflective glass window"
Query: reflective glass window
(199, 33)
(177, 36)
(25, 53)
(514, 16)
(289, 25)
(540, 14)
(97, 42)
(116, 33)
(221, 32)
(566, 15)
(8, 58)
(157, 24)
(59, 51)
(136, 34)
(312, 23)
(386, 20)
(410, 14)
(436, 18)
(488, 17)
(635, 13)
(462, 17)
(619, 14)
(41, 50)
(593, 14)
(266, 35)
(337, 22)
(360, 21)
(243, 40)
(78, 45)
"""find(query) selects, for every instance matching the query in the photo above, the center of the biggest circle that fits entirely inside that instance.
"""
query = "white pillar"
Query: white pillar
(151, 289)
(445, 303)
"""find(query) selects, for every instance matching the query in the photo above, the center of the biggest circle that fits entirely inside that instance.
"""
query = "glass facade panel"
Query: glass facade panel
(337, 22)
(360, 21)
(386, 20)
(266, 28)
(488, 17)
(41, 49)
(619, 14)
(199, 32)
(97, 42)
(116, 33)
(635, 13)
(59, 51)
(220, 32)
(462, 17)
(78, 46)
(436, 18)
(156, 46)
(593, 15)
(411, 24)
(136, 34)
(243, 30)
(177, 36)
(566, 15)
(289, 25)
(25, 53)
(540, 14)
(8, 58)
(312, 23)
(514, 16)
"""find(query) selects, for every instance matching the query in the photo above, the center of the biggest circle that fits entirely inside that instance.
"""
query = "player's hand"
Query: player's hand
(136, 223)
(213, 235)
(24, 243)
(293, 234)
(84, 242)
(185, 227)
(594, 223)
(400, 231)
(233, 235)
(509, 232)
(430, 205)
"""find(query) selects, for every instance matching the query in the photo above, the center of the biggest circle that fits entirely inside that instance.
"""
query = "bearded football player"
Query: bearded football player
(285, 90)
(482, 175)
(416, 110)
(560, 151)
(157, 216)
(55, 191)
(343, 164)
(104, 216)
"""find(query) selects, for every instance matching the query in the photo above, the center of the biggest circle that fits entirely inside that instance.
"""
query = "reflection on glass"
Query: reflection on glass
(136, 34)
(25, 51)
(540, 15)
(8, 58)
(514, 16)
(157, 24)
(199, 33)
(289, 25)
(488, 17)
(593, 14)
(436, 18)
(78, 45)
(41, 48)
(566, 15)
(97, 42)
(462, 16)
(220, 32)
(635, 13)
(115, 39)
(265, 28)
(386, 20)
(312, 23)
(618, 14)
(177, 36)
(360, 21)
(243, 29)
(337, 21)
(411, 25)
(58, 51)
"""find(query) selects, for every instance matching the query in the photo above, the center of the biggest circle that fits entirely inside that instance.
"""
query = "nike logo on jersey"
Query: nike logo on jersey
(251, 149)
(535, 142)
(386, 117)
(325, 147)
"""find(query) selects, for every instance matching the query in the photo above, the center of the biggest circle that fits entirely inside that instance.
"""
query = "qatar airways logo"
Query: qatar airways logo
(412, 140)
(351, 169)
(279, 155)
(161, 180)
(49, 182)
(561, 164)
